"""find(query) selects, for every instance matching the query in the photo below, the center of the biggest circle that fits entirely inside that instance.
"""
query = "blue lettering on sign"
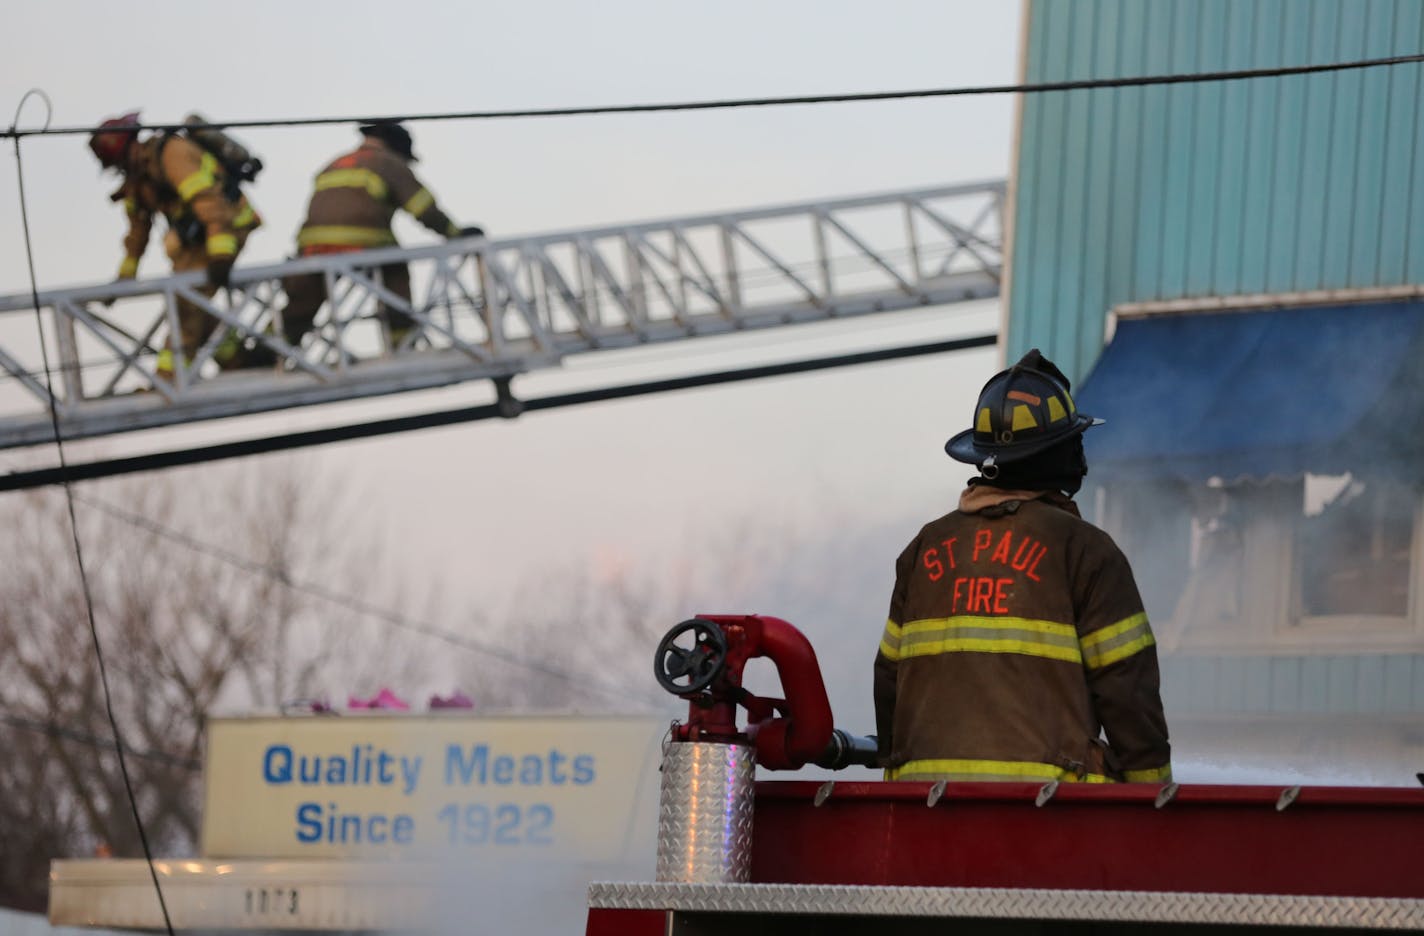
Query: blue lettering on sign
(366, 765)
(319, 824)
(460, 770)
(497, 824)
(477, 765)
(325, 822)
(309, 822)
(277, 764)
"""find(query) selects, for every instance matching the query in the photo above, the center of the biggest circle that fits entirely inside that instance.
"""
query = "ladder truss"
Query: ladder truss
(491, 309)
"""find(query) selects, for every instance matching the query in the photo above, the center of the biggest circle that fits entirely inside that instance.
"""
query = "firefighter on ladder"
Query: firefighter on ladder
(352, 203)
(1016, 635)
(209, 220)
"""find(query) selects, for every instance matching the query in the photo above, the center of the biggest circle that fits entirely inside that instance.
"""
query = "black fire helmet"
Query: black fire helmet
(1021, 411)
(393, 135)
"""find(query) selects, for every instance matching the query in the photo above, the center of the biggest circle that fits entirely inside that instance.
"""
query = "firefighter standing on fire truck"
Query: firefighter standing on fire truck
(351, 207)
(209, 220)
(1016, 634)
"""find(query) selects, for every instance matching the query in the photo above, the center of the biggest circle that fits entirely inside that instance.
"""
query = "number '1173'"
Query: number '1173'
(504, 824)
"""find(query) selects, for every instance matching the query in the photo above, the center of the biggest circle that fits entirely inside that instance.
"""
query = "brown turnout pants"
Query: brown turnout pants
(195, 326)
(307, 291)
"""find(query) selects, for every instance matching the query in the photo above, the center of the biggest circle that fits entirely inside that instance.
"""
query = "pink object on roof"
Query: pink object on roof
(385, 699)
(456, 700)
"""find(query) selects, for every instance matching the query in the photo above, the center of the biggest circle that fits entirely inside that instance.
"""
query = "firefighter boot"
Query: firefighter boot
(253, 354)
(163, 369)
(398, 335)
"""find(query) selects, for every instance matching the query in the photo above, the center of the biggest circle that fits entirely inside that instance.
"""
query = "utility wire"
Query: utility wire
(62, 733)
(403, 423)
(69, 473)
(74, 522)
(728, 103)
(278, 575)
(39, 477)
(366, 608)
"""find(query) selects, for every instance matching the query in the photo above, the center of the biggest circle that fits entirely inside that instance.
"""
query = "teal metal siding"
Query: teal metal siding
(1370, 684)
(1268, 185)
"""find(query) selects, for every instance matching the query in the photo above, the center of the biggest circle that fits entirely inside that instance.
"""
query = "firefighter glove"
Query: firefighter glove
(472, 230)
(219, 271)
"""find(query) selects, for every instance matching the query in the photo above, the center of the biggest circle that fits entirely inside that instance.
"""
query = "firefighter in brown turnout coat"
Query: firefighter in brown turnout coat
(1016, 635)
(352, 203)
(208, 219)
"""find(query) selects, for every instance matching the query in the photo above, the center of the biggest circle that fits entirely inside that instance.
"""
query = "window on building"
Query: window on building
(1213, 597)
(1354, 548)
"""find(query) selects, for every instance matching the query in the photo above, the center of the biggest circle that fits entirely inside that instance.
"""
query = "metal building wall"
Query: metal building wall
(1267, 185)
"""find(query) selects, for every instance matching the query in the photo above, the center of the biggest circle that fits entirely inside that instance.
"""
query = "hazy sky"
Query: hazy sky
(614, 486)
(828, 474)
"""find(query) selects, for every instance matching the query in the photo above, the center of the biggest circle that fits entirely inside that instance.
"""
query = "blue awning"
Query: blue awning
(1282, 392)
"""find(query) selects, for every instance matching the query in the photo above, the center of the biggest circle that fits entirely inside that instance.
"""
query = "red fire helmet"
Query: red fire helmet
(113, 137)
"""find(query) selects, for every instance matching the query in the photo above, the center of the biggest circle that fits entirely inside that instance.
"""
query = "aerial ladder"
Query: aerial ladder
(491, 309)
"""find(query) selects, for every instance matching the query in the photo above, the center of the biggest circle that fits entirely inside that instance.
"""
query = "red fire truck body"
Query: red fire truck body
(1004, 858)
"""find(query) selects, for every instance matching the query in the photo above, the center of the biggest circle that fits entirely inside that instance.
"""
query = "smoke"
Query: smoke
(522, 894)
(482, 851)
(1277, 559)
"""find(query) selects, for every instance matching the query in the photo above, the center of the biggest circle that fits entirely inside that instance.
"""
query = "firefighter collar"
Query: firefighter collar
(978, 497)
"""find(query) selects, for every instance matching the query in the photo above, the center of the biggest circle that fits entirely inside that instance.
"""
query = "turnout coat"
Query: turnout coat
(1016, 638)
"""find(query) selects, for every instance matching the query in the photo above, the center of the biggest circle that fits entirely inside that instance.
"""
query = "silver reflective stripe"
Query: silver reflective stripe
(971, 634)
(1117, 641)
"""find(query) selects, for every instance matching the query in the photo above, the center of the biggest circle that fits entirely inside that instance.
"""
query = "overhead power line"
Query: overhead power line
(396, 619)
(105, 468)
(370, 609)
(351, 603)
(730, 103)
(74, 521)
(280, 576)
(94, 741)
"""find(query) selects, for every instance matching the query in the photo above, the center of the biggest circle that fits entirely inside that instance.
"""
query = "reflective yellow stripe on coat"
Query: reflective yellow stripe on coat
(890, 642)
(245, 218)
(341, 235)
(967, 634)
(964, 770)
(1151, 775)
(419, 202)
(204, 178)
(222, 245)
(1117, 641)
(365, 179)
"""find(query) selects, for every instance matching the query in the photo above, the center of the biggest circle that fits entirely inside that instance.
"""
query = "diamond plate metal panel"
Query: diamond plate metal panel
(705, 813)
(1020, 904)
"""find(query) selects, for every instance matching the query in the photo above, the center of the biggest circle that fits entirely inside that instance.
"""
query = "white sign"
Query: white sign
(383, 784)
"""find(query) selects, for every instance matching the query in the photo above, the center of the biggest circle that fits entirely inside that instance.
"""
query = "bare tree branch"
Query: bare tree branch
(184, 633)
